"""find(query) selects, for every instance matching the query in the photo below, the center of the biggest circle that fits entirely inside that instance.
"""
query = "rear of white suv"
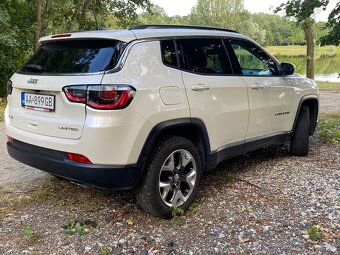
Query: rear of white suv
(58, 102)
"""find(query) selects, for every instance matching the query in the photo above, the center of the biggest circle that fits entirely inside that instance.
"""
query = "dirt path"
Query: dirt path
(330, 101)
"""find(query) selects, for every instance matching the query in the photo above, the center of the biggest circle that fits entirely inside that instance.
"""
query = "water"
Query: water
(327, 68)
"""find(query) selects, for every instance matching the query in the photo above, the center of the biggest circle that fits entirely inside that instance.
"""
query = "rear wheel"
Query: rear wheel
(299, 144)
(172, 177)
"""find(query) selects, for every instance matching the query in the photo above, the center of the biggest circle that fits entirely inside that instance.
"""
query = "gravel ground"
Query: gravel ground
(261, 203)
(330, 101)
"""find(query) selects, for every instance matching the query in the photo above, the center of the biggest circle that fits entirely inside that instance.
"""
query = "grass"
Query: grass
(296, 50)
(324, 85)
(3, 103)
(329, 127)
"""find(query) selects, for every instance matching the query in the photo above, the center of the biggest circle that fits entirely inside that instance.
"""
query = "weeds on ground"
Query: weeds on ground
(80, 227)
(29, 233)
(329, 127)
(106, 250)
(314, 233)
(177, 213)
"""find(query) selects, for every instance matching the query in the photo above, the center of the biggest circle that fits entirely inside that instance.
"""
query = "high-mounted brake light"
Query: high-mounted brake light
(102, 97)
(61, 36)
(79, 158)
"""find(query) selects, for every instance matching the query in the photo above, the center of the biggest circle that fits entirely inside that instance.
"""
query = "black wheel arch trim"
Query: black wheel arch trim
(162, 127)
(301, 103)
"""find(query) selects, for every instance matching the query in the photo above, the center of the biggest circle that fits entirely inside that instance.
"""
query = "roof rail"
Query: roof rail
(170, 26)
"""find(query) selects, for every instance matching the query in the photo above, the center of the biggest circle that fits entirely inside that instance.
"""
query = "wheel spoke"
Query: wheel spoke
(165, 189)
(169, 164)
(178, 195)
(186, 158)
(191, 179)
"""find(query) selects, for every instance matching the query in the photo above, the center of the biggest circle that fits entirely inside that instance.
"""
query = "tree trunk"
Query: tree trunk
(86, 7)
(310, 50)
(38, 26)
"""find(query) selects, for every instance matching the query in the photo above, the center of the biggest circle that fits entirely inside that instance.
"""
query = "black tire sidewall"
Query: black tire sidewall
(158, 157)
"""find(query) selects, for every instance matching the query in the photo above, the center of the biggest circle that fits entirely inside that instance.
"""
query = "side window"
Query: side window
(253, 60)
(204, 56)
(169, 53)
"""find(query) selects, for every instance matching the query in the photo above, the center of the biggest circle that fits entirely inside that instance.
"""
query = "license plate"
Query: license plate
(38, 102)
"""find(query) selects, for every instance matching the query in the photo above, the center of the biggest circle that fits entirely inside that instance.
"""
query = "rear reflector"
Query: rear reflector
(61, 36)
(10, 139)
(79, 158)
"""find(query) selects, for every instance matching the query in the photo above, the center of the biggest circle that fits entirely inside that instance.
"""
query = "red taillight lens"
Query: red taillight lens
(79, 158)
(109, 97)
(76, 94)
(102, 97)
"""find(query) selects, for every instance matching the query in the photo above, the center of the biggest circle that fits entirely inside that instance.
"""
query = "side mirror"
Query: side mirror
(287, 68)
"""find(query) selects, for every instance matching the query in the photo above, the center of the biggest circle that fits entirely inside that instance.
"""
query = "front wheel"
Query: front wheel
(299, 144)
(172, 177)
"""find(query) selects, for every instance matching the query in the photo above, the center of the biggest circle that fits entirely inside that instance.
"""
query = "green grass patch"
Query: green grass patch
(296, 50)
(329, 127)
(314, 233)
(3, 103)
(80, 227)
(324, 85)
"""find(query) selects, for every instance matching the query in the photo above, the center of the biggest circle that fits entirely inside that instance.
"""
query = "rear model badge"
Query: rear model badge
(32, 81)
(68, 129)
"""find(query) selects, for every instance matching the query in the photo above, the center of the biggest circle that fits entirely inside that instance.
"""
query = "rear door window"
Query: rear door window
(67, 57)
(205, 56)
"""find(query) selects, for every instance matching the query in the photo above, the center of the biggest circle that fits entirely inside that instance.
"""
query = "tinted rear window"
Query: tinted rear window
(68, 57)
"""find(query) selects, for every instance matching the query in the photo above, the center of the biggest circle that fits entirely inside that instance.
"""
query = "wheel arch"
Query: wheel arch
(190, 128)
(312, 101)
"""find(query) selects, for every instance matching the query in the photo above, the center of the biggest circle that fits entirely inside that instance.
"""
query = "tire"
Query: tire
(299, 143)
(172, 177)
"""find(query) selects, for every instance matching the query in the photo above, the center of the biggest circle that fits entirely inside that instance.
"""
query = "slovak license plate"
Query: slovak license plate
(38, 102)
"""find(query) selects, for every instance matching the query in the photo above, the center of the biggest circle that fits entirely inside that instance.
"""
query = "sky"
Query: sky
(183, 7)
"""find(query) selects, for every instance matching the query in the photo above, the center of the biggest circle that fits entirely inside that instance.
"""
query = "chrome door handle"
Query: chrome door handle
(257, 86)
(200, 87)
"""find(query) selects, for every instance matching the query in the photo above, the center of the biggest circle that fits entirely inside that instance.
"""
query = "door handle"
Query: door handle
(200, 87)
(257, 86)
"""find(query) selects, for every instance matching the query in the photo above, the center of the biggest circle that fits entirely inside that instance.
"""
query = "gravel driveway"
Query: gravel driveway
(261, 203)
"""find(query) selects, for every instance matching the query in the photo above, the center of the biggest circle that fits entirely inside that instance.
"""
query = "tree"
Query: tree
(302, 11)
(226, 14)
(38, 26)
(333, 37)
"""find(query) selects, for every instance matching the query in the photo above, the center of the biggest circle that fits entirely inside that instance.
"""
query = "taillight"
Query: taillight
(79, 158)
(103, 97)
(76, 93)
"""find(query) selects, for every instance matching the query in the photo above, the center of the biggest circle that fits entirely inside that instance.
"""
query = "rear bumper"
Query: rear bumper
(57, 163)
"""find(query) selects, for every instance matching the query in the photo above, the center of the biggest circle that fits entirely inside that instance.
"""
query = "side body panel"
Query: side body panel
(223, 107)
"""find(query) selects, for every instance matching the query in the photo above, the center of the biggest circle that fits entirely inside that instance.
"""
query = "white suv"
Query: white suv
(153, 107)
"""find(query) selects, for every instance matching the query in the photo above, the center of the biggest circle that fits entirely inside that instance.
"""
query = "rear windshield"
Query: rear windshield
(67, 57)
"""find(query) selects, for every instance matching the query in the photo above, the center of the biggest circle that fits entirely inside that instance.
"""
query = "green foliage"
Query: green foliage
(314, 233)
(29, 233)
(80, 227)
(333, 37)
(329, 127)
(3, 103)
(106, 250)
(177, 213)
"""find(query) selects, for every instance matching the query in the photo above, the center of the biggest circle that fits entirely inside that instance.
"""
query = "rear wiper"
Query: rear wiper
(35, 68)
